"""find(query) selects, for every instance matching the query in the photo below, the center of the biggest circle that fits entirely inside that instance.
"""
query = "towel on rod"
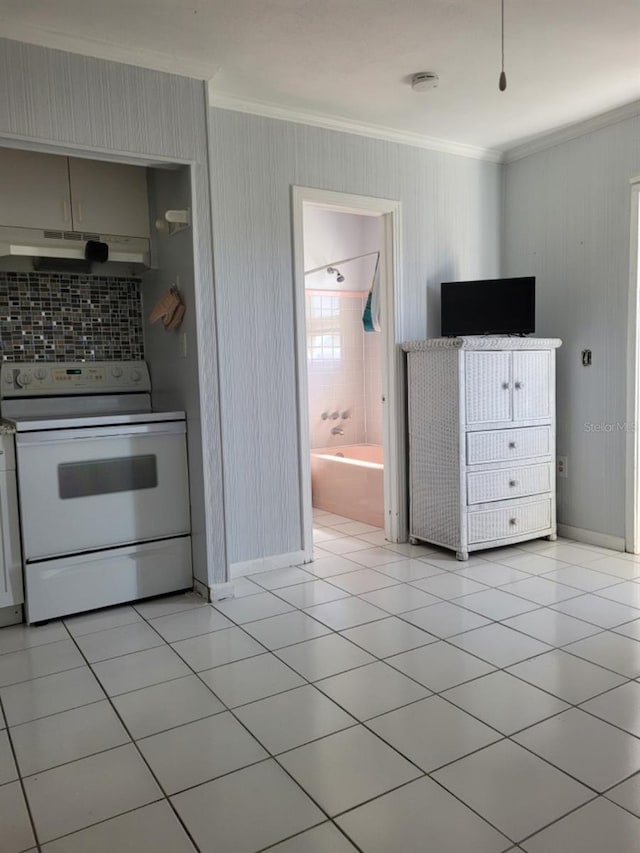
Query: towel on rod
(372, 310)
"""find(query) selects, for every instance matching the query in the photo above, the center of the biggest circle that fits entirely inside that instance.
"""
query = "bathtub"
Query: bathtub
(348, 480)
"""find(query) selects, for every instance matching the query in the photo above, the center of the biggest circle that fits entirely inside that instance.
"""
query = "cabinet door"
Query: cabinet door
(35, 190)
(488, 387)
(531, 385)
(109, 198)
(11, 592)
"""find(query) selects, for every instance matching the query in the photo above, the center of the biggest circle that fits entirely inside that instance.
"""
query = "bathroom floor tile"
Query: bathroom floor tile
(309, 715)
(8, 770)
(252, 607)
(496, 604)
(439, 666)
(285, 630)
(448, 585)
(164, 706)
(345, 613)
(400, 598)
(198, 752)
(308, 594)
(323, 657)
(514, 790)
(361, 581)
(406, 570)
(620, 707)
(432, 732)
(541, 590)
(492, 574)
(17, 834)
(416, 551)
(281, 578)
(610, 650)
(594, 828)
(167, 604)
(19, 637)
(566, 676)
(73, 796)
(378, 538)
(346, 545)
(38, 661)
(505, 702)
(354, 528)
(322, 839)
(347, 768)
(499, 645)
(420, 816)
(101, 620)
(588, 749)
(388, 637)
(445, 619)
(327, 567)
(216, 649)
(552, 627)
(140, 669)
(114, 642)
(151, 828)
(376, 557)
(371, 690)
(191, 623)
(446, 561)
(597, 610)
(251, 809)
(50, 694)
(250, 679)
(67, 736)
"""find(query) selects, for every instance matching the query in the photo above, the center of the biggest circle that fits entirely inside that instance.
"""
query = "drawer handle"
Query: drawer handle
(505, 386)
(513, 483)
(512, 445)
(519, 385)
(513, 521)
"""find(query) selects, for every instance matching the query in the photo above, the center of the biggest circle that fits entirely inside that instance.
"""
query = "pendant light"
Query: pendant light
(502, 82)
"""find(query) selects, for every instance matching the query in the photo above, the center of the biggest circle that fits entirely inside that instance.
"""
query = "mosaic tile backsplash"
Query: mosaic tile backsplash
(65, 317)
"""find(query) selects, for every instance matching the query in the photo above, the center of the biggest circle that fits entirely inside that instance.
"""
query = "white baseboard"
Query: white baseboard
(265, 564)
(590, 537)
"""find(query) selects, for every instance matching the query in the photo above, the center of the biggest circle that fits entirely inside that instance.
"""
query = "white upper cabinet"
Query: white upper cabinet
(35, 190)
(109, 198)
(488, 387)
(49, 191)
(531, 385)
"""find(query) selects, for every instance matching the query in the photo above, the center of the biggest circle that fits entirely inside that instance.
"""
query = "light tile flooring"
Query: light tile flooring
(383, 698)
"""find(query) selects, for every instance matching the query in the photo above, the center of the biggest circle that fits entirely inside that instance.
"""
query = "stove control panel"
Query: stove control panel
(52, 378)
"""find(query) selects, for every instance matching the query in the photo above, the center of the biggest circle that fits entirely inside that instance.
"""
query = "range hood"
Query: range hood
(69, 246)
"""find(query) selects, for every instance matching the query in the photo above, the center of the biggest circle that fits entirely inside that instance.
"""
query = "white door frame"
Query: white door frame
(395, 479)
(632, 521)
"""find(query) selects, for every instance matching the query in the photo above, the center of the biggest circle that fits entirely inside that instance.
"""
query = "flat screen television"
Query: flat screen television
(499, 306)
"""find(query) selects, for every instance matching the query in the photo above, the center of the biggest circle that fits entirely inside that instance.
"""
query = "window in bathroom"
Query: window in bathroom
(324, 341)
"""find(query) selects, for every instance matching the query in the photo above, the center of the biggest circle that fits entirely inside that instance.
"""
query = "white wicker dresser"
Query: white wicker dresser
(481, 441)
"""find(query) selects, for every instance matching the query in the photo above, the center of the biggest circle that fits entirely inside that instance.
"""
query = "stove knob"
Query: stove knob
(116, 372)
(40, 373)
(136, 376)
(24, 379)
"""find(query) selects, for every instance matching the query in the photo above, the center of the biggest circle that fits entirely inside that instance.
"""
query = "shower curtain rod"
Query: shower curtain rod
(343, 261)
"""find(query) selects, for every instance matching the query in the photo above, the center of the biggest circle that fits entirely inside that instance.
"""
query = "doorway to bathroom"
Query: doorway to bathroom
(351, 414)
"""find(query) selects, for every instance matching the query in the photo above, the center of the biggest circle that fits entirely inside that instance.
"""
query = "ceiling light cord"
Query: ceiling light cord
(502, 82)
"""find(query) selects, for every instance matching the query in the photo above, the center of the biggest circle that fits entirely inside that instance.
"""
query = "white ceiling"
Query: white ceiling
(566, 60)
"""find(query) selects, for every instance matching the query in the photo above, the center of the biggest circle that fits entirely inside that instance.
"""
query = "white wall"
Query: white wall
(450, 229)
(566, 215)
(73, 104)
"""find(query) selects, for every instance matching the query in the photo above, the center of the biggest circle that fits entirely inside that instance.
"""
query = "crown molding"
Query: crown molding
(219, 100)
(140, 57)
(571, 131)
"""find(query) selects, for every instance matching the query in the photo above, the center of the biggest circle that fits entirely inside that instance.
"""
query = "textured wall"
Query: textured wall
(72, 103)
(59, 317)
(567, 222)
(450, 229)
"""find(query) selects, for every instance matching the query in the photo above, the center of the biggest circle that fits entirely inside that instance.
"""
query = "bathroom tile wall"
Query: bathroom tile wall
(64, 317)
(339, 361)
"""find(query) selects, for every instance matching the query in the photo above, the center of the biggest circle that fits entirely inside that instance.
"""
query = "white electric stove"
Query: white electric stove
(103, 485)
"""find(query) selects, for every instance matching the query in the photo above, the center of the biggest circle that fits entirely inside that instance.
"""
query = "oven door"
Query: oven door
(100, 487)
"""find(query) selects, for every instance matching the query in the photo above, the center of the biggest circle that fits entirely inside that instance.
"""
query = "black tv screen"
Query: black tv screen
(499, 306)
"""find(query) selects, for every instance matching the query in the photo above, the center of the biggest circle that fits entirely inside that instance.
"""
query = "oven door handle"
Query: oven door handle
(64, 436)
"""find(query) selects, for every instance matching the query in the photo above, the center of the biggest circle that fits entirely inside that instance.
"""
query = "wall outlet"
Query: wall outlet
(562, 466)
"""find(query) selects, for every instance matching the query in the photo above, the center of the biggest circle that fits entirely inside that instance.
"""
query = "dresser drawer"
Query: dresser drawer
(501, 445)
(514, 520)
(485, 486)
